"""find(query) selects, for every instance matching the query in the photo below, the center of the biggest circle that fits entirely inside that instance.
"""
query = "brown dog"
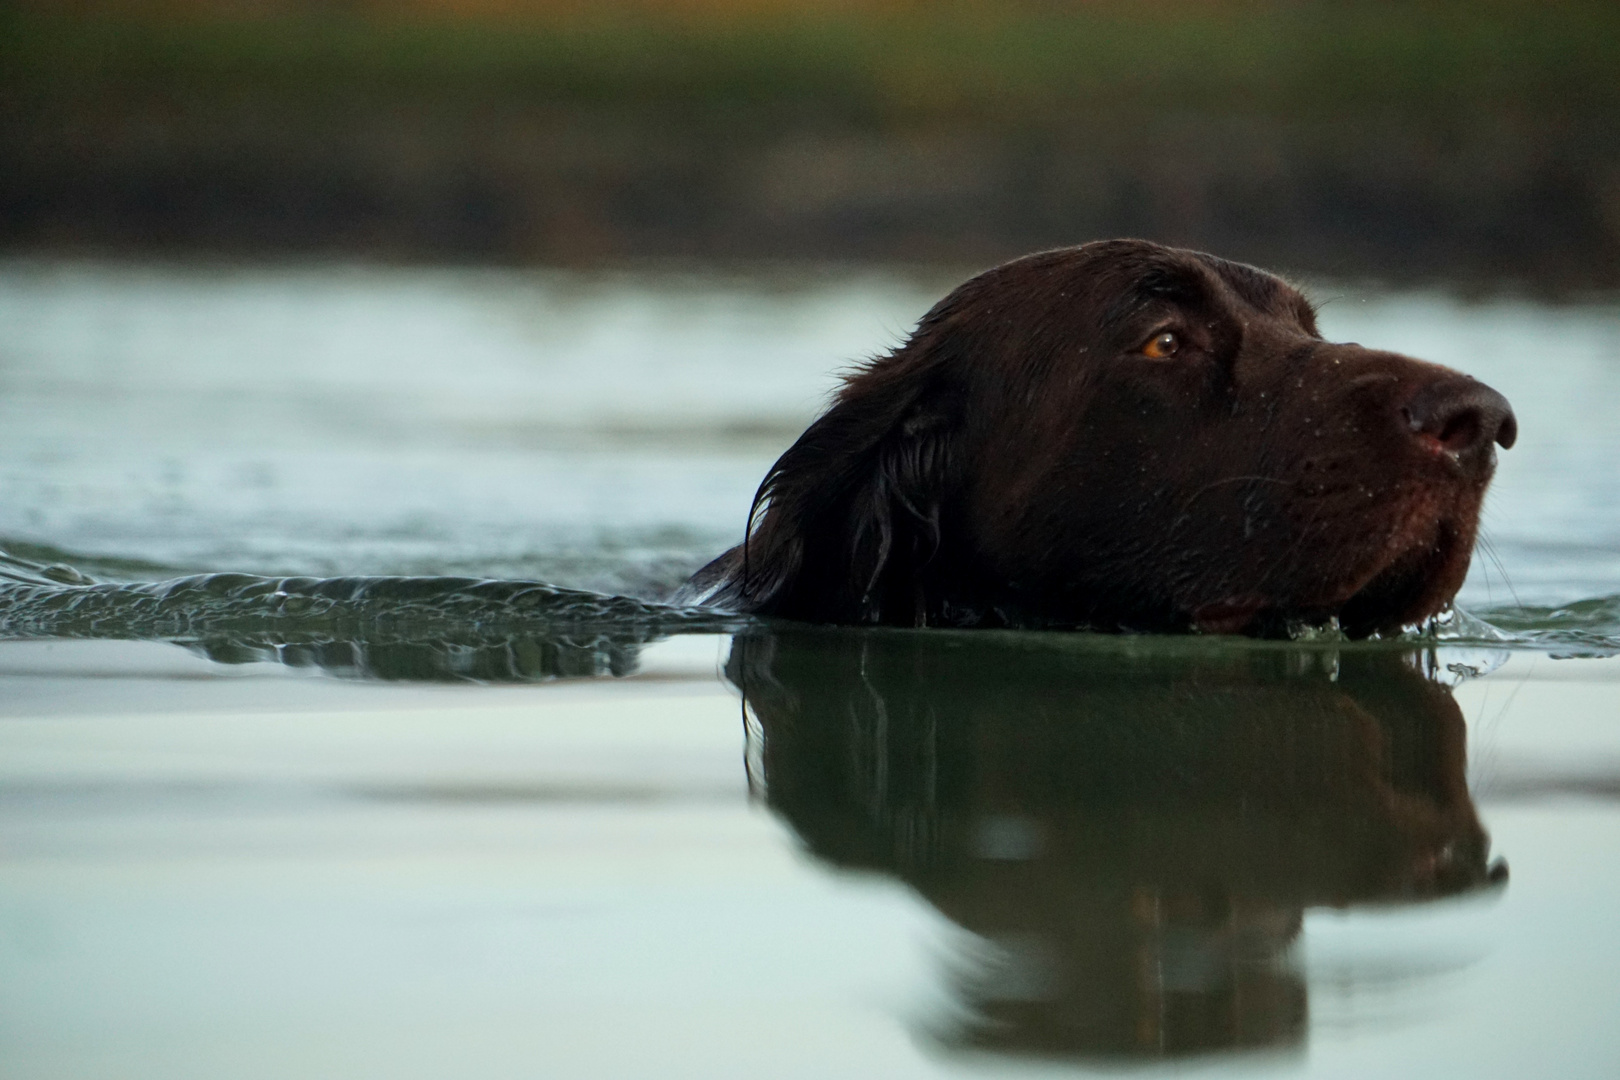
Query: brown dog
(1124, 436)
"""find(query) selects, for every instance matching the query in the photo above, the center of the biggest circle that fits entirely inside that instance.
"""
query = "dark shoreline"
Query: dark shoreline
(1466, 150)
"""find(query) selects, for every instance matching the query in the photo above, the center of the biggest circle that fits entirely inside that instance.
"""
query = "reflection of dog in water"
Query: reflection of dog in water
(1135, 839)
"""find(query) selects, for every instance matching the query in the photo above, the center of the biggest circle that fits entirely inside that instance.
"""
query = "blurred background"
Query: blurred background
(1471, 140)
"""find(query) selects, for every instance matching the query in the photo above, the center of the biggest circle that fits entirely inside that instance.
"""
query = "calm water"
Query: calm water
(478, 826)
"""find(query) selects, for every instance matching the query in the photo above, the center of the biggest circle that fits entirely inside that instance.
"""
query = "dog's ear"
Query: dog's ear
(848, 518)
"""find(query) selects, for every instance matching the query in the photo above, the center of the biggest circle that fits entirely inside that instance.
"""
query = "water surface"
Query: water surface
(342, 730)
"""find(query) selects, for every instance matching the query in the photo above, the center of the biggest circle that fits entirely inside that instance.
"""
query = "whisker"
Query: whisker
(1489, 549)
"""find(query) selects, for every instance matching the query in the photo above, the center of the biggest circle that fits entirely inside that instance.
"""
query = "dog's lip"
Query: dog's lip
(1409, 572)
(1230, 615)
(1418, 549)
(1407, 553)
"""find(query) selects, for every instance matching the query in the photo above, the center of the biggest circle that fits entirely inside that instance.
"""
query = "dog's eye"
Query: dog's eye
(1161, 346)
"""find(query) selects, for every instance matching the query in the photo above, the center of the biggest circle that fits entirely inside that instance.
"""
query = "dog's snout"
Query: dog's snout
(1461, 417)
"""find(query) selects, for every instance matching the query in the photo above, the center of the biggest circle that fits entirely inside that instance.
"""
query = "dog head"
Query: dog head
(1124, 435)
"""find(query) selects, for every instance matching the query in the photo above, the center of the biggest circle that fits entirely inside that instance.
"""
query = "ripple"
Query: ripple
(520, 628)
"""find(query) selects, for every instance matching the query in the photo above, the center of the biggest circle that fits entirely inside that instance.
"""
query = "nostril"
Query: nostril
(1459, 416)
(1461, 431)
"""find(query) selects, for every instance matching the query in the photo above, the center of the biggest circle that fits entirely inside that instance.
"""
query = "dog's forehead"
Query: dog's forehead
(1106, 285)
(1261, 290)
(1136, 277)
(1257, 287)
(1183, 277)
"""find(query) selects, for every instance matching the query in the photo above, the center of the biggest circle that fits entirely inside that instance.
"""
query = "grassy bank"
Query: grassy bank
(993, 60)
(1428, 139)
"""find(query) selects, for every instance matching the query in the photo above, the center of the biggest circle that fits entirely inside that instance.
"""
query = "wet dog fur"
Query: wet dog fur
(1124, 436)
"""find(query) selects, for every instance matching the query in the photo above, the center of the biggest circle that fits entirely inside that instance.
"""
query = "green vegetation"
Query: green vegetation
(1431, 137)
(969, 60)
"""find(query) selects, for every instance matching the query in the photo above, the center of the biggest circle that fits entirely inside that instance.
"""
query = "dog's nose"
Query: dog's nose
(1461, 417)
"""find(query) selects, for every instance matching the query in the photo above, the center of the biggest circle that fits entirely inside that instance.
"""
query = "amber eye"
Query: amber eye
(1161, 346)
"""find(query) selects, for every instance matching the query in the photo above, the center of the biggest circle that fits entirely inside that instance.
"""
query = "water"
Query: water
(601, 431)
(343, 732)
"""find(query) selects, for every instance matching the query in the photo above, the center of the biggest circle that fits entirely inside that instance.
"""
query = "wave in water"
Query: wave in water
(215, 603)
(463, 627)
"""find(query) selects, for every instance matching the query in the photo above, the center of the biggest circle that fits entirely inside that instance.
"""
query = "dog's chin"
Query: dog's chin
(1411, 575)
(1412, 584)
